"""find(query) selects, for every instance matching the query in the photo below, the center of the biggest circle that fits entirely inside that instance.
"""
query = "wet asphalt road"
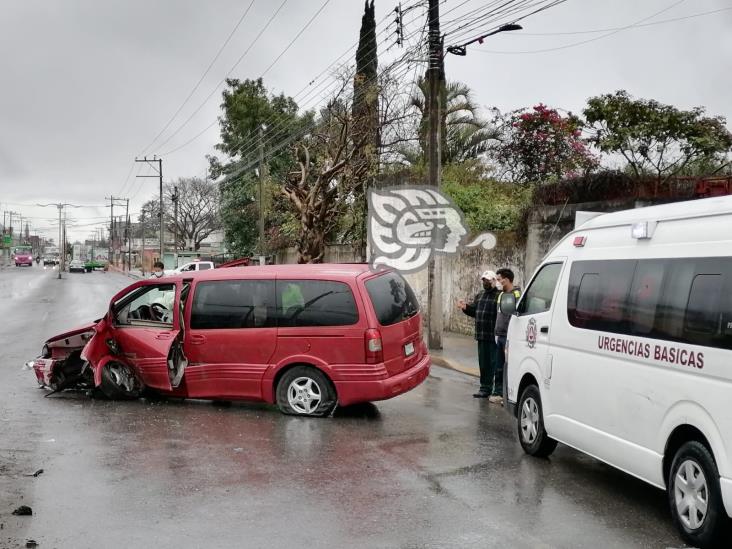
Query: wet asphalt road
(431, 469)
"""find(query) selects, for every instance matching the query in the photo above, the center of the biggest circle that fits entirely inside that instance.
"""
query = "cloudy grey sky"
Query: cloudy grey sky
(87, 84)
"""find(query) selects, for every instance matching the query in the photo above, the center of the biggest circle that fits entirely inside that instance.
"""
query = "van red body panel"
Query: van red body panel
(245, 363)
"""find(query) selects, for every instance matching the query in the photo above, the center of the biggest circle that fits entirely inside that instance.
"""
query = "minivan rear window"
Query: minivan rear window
(392, 297)
(303, 303)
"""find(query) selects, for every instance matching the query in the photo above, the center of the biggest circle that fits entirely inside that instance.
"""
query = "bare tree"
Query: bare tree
(198, 211)
(323, 184)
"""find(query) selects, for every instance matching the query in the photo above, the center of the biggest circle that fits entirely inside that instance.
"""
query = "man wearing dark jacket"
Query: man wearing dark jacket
(505, 284)
(484, 308)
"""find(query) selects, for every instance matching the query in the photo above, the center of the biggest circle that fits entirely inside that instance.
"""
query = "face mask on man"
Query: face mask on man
(158, 274)
(499, 286)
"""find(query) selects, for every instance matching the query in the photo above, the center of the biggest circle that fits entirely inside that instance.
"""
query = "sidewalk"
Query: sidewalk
(459, 353)
(134, 274)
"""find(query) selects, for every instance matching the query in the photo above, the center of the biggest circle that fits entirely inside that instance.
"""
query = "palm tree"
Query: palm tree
(465, 134)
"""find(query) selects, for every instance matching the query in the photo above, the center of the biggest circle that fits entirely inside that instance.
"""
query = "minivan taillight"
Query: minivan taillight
(374, 348)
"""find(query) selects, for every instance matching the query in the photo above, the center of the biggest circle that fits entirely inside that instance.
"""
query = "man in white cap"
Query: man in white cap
(484, 309)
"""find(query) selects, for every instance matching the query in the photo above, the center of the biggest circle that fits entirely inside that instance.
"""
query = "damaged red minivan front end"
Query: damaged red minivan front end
(60, 363)
(116, 360)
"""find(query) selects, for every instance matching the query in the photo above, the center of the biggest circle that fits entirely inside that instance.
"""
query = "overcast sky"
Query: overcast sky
(87, 84)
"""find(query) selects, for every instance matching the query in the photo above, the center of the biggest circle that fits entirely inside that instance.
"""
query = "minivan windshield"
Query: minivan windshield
(393, 298)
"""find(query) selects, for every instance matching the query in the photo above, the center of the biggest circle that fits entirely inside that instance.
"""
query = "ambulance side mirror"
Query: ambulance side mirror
(507, 305)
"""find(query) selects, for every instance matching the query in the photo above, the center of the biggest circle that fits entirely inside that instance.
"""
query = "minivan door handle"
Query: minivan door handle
(544, 329)
(197, 339)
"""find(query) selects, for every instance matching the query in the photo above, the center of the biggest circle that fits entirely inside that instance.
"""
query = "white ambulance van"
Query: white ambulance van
(621, 347)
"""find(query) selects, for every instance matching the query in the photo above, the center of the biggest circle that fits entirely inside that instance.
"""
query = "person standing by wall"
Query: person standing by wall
(484, 308)
(504, 278)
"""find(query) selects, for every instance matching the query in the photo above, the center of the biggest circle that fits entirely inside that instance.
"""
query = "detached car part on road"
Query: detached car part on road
(306, 337)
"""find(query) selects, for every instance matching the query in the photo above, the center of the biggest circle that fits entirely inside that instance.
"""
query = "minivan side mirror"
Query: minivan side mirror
(507, 305)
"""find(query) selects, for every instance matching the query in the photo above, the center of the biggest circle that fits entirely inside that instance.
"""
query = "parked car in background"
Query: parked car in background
(193, 266)
(94, 264)
(304, 337)
(77, 266)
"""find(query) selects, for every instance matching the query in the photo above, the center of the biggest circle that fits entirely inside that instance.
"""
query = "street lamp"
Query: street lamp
(462, 48)
(61, 239)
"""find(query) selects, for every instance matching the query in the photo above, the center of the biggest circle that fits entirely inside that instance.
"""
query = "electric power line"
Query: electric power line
(295, 98)
(200, 80)
(589, 40)
(213, 91)
(253, 144)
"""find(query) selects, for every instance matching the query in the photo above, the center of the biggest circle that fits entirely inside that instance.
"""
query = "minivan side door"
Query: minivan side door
(146, 325)
(230, 338)
(530, 331)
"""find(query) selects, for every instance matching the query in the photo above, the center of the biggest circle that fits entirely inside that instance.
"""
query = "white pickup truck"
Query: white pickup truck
(192, 266)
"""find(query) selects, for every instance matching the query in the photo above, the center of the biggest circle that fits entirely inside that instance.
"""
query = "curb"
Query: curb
(445, 363)
(125, 273)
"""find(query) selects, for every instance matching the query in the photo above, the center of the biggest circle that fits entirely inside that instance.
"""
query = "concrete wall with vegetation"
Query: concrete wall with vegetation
(546, 226)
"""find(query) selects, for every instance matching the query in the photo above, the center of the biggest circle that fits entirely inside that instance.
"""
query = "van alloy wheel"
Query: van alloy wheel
(119, 382)
(122, 376)
(304, 395)
(529, 420)
(691, 494)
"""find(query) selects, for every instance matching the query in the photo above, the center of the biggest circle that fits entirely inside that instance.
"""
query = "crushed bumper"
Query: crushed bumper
(352, 392)
(43, 368)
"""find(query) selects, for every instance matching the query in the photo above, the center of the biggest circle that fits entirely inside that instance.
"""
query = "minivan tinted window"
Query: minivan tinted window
(392, 298)
(686, 300)
(227, 304)
(315, 303)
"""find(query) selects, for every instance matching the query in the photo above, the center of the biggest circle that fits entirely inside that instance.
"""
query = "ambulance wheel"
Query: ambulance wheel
(532, 434)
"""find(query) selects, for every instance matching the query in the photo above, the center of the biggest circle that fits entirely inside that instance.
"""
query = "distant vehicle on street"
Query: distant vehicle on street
(621, 347)
(50, 260)
(77, 266)
(95, 264)
(23, 255)
(193, 266)
(304, 337)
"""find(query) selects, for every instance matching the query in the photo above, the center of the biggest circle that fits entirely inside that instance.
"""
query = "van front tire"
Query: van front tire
(305, 391)
(531, 432)
(695, 497)
(119, 382)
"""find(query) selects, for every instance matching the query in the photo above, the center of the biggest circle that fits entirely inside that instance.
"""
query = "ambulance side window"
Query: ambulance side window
(538, 298)
(703, 311)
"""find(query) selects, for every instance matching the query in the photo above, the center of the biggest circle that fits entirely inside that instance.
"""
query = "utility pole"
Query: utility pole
(435, 76)
(160, 177)
(142, 227)
(175, 224)
(127, 233)
(114, 229)
(110, 247)
(129, 244)
(261, 193)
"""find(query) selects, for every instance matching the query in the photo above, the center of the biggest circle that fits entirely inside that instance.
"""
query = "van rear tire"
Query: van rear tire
(531, 432)
(693, 461)
(305, 391)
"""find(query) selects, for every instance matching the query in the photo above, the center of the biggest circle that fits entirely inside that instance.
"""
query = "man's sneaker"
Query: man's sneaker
(496, 399)
(481, 394)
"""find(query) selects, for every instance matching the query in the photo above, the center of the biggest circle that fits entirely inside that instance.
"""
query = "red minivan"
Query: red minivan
(306, 337)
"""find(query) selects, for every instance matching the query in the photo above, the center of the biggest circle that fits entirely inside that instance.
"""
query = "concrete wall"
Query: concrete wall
(461, 272)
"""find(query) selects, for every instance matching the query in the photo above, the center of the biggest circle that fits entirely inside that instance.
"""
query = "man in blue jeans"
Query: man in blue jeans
(504, 279)
(483, 308)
